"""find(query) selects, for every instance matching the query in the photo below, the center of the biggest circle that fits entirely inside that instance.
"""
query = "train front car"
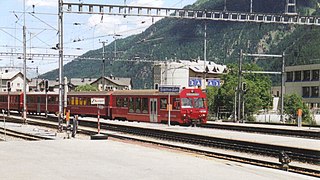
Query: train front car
(194, 109)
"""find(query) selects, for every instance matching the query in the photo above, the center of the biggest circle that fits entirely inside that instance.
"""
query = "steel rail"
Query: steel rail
(266, 130)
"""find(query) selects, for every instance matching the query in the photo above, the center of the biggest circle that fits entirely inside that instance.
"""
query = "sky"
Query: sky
(82, 33)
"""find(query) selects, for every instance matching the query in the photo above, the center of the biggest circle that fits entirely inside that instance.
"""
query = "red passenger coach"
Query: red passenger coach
(188, 107)
(15, 101)
(83, 103)
(36, 102)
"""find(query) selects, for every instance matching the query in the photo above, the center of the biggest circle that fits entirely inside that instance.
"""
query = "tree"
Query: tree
(86, 87)
(292, 103)
(257, 95)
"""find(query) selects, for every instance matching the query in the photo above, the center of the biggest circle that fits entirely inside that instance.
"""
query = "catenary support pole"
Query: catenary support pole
(60, 24)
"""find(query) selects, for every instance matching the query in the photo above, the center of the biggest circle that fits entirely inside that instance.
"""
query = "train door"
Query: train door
(38, 104)
(153, 109)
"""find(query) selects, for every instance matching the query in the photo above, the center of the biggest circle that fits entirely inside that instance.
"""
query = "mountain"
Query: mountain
(172, 39)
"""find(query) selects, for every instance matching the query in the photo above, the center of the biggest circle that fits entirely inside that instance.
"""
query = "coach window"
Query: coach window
(131, 105)
(163, 103)
(138, 105)
(306, 92)
(76, 101)
(85, 101)
(145, 103)
(176, 103)
(72, 100)
(125, 102)
(80, 101)
(119, 102)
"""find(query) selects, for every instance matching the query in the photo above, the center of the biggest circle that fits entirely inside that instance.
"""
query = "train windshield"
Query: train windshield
(186, 103)
(192, 103)
(198, 103)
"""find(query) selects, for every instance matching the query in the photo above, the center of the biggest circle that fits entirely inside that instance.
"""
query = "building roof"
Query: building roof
(210, 67)
(9, 75)
(117, 80)
(81, 81)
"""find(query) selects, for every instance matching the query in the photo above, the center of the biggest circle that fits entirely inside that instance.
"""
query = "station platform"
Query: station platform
(85, 159)
(311, 144)
(269, 126)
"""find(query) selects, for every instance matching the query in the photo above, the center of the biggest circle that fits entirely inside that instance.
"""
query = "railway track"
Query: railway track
(21, 135)
(265, 130)
(157, 136)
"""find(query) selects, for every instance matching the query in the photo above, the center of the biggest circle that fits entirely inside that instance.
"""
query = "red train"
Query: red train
(189, 106)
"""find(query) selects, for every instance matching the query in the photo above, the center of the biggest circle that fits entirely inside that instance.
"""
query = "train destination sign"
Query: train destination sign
(169, 89)
(97, 101)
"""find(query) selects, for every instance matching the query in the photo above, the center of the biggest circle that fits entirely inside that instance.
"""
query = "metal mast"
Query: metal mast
(24, 65)
(60, 46)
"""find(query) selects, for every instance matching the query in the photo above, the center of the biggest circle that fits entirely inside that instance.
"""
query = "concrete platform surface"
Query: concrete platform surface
(85, 159)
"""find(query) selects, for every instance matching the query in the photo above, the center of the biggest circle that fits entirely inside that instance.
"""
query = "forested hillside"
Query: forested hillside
(183, 39)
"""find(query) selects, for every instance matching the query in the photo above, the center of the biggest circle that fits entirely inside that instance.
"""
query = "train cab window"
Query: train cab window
(145, 104)
(138, 105)
(176, 103)
(163, 103)
(186, 103)
(199, 103)
(125, 102)
(131, 105)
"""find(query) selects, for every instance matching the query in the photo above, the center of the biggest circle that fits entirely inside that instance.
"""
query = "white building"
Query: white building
(189, 73)
(15, 78)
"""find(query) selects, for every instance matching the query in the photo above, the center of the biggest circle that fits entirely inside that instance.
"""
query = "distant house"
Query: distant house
(15, 78)
(195, 73)
(112, 83)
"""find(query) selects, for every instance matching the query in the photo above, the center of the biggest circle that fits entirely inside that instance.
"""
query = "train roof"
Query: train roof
(11, 93)
(91, 93)
(150, 92)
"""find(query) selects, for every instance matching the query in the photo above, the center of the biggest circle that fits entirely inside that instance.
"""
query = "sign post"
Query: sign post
(169, 89)
(100, 102)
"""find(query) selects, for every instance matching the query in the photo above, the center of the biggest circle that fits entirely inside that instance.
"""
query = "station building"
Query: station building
(304, 80)
(194, 73)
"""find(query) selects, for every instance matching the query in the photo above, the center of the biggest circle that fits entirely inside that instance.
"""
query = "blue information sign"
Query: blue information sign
(214, 82)
(169, 89)
(195, 82)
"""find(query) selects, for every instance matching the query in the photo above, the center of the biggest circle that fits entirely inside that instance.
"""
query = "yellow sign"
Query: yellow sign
(169, 107)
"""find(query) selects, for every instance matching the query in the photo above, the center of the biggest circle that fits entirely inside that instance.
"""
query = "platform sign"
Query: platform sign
(214, 82)
(98, 101)
(195, 82)
(164, 88)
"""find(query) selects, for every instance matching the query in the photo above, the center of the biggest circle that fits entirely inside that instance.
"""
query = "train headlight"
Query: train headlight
(184, 115)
